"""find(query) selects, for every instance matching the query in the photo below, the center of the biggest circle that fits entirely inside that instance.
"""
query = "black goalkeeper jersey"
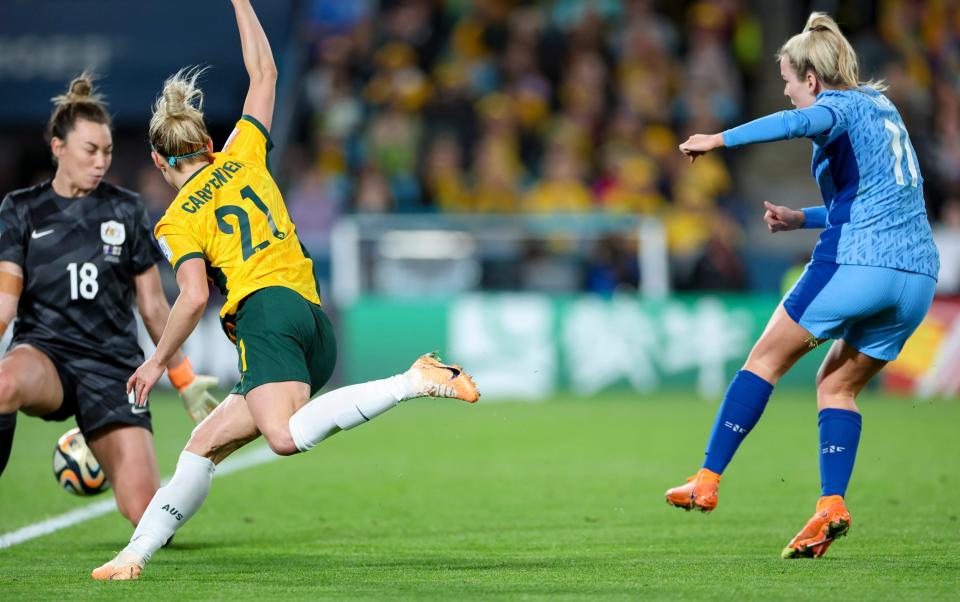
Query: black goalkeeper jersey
(79, 258)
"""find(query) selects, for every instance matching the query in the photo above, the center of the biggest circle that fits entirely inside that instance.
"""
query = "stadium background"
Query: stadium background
(500, 179)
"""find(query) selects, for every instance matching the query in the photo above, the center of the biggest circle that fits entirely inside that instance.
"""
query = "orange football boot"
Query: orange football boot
(436, 379)
(700, 492)
(829, 522)
(122, 568)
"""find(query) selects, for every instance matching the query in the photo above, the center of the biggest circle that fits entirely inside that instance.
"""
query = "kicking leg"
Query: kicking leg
(345, 408)
(782, 343)
(227, 429)
(844, 373)
(291, 423)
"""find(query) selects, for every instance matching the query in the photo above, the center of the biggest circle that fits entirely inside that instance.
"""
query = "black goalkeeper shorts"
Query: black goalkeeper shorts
(93, 391)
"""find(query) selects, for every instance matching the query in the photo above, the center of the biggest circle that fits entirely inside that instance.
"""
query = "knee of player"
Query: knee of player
(8, 392)
(281, 442)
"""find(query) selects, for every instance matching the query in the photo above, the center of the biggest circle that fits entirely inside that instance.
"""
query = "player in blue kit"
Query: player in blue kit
(869, 284)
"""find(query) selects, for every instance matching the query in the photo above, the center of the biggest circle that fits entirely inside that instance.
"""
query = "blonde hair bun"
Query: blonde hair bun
(177, 127)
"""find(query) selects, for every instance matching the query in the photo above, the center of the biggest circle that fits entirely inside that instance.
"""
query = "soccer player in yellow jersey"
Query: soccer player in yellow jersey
(228, 222)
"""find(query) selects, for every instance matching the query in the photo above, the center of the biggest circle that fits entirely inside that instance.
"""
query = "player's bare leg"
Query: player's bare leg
(272, 406)
(844, 373)
(29, 383)
(228, 428)
(782, 343)
(224, 431)
(128, 459)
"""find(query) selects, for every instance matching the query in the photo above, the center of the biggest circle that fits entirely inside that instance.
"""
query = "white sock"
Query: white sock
(171, 506)
(345, 408)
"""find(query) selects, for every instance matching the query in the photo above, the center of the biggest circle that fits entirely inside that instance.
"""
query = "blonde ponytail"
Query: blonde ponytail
(177, 129)
(823, 49)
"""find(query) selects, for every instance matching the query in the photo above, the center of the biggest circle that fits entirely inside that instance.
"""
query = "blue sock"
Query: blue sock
(742, 407)
(839, 437)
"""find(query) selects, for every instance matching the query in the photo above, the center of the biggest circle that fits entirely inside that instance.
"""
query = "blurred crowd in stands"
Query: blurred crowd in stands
(573, 106)
(499, 106)
(495, 106)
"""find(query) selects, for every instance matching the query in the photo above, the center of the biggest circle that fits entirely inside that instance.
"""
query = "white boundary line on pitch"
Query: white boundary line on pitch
(256, 457)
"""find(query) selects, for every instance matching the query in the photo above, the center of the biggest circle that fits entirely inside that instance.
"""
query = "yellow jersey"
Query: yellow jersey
(231, 214)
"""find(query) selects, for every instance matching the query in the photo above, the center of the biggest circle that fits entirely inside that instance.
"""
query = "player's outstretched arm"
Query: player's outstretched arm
(155, 311)
(11, 285)
(153, 306)
(183, 318)
(783, 125)
(258, 59)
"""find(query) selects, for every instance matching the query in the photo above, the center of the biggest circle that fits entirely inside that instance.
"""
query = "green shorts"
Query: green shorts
(280, 336)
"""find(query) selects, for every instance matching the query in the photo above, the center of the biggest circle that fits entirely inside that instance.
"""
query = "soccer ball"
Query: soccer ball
(75, 467)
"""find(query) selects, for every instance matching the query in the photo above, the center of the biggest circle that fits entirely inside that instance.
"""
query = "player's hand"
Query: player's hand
(780, 219)
(143, 381)
(197, 399)
(699, 144)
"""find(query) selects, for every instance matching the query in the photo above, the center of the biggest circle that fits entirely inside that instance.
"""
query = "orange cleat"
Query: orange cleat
(700, 492)
(116, 570)
(440, 380)
(829, 522)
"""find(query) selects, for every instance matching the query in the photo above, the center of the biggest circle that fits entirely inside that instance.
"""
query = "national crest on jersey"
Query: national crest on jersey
(112, 233)
(231, 214)
(867, 171)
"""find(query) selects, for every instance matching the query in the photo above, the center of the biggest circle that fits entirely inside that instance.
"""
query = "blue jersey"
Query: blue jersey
(867, 171)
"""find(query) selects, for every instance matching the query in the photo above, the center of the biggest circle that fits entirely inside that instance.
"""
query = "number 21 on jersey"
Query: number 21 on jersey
(247, 247)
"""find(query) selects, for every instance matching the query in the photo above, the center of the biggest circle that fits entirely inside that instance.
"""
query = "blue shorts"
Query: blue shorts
(872, 308)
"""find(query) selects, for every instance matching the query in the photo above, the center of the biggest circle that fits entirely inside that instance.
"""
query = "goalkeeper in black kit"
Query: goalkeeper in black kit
(76, 252)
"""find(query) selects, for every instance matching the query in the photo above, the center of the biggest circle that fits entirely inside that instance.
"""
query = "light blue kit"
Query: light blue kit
(874, 270)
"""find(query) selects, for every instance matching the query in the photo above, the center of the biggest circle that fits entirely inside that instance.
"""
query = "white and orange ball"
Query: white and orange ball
(75, 467)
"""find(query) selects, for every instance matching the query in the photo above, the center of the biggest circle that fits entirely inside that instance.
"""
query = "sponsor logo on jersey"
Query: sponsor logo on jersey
(113, 232)
(40, 234)
(165, 248)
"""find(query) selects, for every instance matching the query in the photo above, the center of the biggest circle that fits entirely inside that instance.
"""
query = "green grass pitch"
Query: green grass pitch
(555, 500)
